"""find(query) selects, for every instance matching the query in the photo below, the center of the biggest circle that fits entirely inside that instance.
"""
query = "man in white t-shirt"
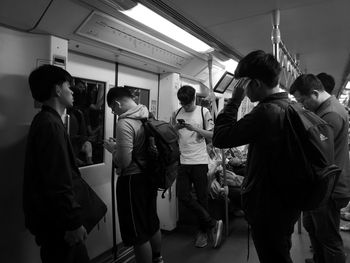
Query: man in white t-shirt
(195, 124)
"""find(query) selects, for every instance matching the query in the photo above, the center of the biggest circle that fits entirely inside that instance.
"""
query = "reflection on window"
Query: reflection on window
(87, 121)
(140, 96)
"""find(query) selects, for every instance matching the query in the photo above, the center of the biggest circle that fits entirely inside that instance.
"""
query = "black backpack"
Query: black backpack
(162, 153)
(309, 175)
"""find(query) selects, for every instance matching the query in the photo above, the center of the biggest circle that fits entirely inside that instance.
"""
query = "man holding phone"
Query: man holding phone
(188, 121)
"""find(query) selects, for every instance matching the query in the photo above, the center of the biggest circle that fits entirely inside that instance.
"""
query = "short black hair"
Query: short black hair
(186, 94)
(117, 93)
(305, 84)
(43, 80)
(261, 66)
(327, 81)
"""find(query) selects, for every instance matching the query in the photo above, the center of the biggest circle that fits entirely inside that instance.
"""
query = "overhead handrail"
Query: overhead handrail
(289, 63)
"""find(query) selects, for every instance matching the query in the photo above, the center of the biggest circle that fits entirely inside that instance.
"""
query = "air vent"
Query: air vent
(121, 36)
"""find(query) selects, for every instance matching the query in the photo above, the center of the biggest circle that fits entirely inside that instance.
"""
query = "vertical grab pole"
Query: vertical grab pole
(225, 189)
(276, 34)
(211, 95)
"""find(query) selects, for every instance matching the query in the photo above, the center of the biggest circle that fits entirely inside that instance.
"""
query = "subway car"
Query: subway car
(153, 48)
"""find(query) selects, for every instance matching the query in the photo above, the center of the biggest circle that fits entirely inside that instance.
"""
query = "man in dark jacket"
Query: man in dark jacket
(51, 211)
(323, 223)
(272, 223)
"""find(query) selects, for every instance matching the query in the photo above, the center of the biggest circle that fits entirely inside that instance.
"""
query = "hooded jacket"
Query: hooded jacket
(130, 141)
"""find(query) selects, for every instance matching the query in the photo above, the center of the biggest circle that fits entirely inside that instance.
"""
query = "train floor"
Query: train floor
(178, 246)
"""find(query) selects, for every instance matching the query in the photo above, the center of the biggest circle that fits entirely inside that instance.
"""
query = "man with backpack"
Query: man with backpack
(271, 221)
(194, 124)
(136, 191)
(322, 224)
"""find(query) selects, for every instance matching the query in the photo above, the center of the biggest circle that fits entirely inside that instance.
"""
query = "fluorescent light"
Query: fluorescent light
(230, 65)
(149, 18)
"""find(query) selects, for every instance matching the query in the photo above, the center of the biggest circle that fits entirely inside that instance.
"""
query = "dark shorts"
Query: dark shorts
(137, 208)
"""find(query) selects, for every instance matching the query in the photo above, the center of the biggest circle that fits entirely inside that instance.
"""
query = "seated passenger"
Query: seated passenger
(216, 181)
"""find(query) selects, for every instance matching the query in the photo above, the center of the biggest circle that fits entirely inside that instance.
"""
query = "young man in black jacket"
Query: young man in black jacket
(272, 224)
(51, 211)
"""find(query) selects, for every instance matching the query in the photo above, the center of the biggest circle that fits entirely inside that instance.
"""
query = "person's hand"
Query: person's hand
(189, 127)
(75, 236)
(239, 93)
(109, 144)
(179, 126)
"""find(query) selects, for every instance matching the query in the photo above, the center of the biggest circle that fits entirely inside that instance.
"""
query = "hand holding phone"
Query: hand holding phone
(181, 121)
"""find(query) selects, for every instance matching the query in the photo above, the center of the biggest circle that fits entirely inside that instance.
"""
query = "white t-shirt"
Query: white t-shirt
(192, 145)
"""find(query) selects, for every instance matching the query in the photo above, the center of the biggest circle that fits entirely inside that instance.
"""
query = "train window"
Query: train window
(140, 96)
(86, 129)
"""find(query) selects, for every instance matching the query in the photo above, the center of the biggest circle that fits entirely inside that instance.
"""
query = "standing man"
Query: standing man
(323, 224)
(136, 194)
(194, 124)
(272, 223)
(51, 211)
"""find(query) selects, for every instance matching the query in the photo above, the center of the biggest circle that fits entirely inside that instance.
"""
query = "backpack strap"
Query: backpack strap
(177, 113)
(203, 120)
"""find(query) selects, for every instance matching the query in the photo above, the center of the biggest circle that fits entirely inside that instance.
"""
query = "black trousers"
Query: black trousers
(53, 249)
(196, 175)
(272, 235)
(323, 228)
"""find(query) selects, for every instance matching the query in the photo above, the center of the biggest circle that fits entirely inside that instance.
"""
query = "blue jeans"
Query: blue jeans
(323, 228)
(197, 175)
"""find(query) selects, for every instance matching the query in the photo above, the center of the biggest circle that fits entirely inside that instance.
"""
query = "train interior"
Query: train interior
(103, 44)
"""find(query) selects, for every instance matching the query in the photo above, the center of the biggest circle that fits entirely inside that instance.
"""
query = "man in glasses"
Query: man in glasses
(272, 224)
(323, 223)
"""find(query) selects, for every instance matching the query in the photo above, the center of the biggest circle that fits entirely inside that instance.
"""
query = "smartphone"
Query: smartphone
(181, 121)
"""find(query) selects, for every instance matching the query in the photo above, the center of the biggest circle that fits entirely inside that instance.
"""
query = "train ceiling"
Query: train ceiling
(317, 30)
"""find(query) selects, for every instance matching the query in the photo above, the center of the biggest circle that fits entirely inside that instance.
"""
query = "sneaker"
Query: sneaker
(158, 260)
(345, 227)
(216, 233)
(201, 240)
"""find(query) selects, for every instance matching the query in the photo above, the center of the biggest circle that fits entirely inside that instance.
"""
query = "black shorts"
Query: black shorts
(137, 208)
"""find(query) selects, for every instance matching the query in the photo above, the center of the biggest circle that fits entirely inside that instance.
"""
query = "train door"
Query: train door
(98, 174)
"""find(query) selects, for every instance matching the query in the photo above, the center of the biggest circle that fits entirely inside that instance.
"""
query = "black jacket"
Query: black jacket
(262, 130)
(48, 197)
